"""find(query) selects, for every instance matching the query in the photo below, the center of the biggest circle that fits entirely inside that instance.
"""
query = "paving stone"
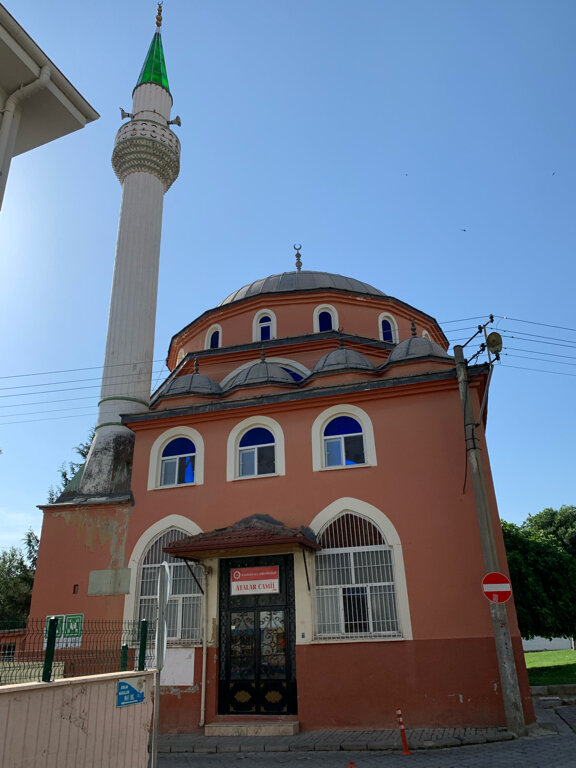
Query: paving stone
(353, 746)
(298, 746)
(224, 747)
(327, 746)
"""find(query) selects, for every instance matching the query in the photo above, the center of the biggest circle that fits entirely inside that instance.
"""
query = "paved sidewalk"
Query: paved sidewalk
(550, 742)
(333, 741)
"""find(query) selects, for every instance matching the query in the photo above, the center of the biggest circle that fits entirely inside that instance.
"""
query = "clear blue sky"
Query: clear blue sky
(424, 146)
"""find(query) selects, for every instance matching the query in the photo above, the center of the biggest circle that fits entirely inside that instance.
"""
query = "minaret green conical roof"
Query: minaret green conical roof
(154, 69)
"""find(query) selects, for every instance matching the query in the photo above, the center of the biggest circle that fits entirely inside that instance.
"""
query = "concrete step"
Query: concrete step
(254, 728)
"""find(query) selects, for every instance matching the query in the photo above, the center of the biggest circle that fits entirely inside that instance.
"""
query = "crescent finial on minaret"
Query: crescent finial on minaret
(159, 16)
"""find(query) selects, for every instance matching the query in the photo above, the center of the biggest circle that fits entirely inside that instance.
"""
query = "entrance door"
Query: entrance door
(257, 649)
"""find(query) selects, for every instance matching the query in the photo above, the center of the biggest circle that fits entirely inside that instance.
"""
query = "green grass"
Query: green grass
(551, 667)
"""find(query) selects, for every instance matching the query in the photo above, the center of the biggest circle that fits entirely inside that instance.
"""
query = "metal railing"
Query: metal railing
(47, 649)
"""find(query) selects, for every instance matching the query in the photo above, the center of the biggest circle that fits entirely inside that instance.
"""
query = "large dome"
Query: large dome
(301, 281)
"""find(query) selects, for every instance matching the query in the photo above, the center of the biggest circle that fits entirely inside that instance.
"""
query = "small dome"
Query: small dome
(193, 384)
(415, 347)
(305, 280)
(343, 358)
(261, 373)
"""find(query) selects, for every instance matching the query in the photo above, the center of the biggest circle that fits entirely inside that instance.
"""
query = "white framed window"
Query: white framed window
(342, 437)
(343, 442)
(264, 325)
(355, 587)
(181, 355)
(325, 318)
(213, 337)
(426, 335)
(184, 610)
(176, 459)
(387, 328)
(256, 453)
(255, 449)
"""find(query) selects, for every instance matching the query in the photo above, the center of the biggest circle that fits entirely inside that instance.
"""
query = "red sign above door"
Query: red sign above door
(262, 580)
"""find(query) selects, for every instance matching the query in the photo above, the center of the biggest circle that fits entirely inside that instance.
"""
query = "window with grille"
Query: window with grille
(184, 612)
(178, 459)
(256, 453)
(343, 442)
(355, 594)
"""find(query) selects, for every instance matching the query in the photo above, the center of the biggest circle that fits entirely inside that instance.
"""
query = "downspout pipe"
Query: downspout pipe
(204, 645)
(9, 110)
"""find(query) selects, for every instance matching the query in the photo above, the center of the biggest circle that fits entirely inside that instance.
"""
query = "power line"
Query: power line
(74, 370)
(52, 418)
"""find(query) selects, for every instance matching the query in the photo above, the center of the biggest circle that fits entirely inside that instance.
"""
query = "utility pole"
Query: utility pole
(506, 663)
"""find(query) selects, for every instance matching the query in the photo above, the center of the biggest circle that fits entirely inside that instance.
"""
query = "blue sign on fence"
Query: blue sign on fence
(130, 691)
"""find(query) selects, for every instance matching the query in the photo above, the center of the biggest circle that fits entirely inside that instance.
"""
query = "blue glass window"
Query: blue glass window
(257, 453)
(343, 442)
(295, 375)
(214, 339)
(178, 461)
(265, 328)
(387, 334)
(325, 321)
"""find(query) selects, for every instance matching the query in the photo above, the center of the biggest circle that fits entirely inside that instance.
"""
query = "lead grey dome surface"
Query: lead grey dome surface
(416, 346)
(339, 359)
(304, 280)
(261, 373)
(193, 383)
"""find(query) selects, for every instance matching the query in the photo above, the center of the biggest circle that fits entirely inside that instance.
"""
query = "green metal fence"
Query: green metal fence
(69, 646)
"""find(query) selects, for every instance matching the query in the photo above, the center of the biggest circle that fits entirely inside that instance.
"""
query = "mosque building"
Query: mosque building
(300, 470)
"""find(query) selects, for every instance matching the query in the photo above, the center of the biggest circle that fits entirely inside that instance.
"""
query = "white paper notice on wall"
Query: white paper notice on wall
(178, 667)
(260, 580)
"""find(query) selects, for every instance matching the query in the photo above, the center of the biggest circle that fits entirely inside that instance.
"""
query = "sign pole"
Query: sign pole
(504, 652)
(161, 633)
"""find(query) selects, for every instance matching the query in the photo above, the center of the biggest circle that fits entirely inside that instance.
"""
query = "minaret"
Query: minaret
(146, 160)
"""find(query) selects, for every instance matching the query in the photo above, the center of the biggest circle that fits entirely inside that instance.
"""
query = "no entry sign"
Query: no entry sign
(496, 587)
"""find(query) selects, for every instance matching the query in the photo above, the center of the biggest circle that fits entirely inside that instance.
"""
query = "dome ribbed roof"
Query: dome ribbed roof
(261, 373)
(193, 384)
(341, 358)
(414, 347)
(301, 281)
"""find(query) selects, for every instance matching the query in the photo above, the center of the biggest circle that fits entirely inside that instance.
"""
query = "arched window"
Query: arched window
(264, 328)
(185, 603)
(387, 328)
(264, 325)
(343, 437)
(325, 321)
(355, 592)
(213, 337)
(426, 335)
(178, 460)
(343, 442)
(256, 453)
(325, 318)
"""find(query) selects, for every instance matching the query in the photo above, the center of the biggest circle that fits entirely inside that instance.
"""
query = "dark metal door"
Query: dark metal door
(257, 646)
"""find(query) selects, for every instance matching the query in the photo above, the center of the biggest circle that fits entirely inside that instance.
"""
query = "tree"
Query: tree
(68, 469)
(543, 578)
(559, 524)
(16, 581)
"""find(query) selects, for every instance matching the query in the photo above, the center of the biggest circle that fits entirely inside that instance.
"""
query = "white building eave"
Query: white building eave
(52, 112)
